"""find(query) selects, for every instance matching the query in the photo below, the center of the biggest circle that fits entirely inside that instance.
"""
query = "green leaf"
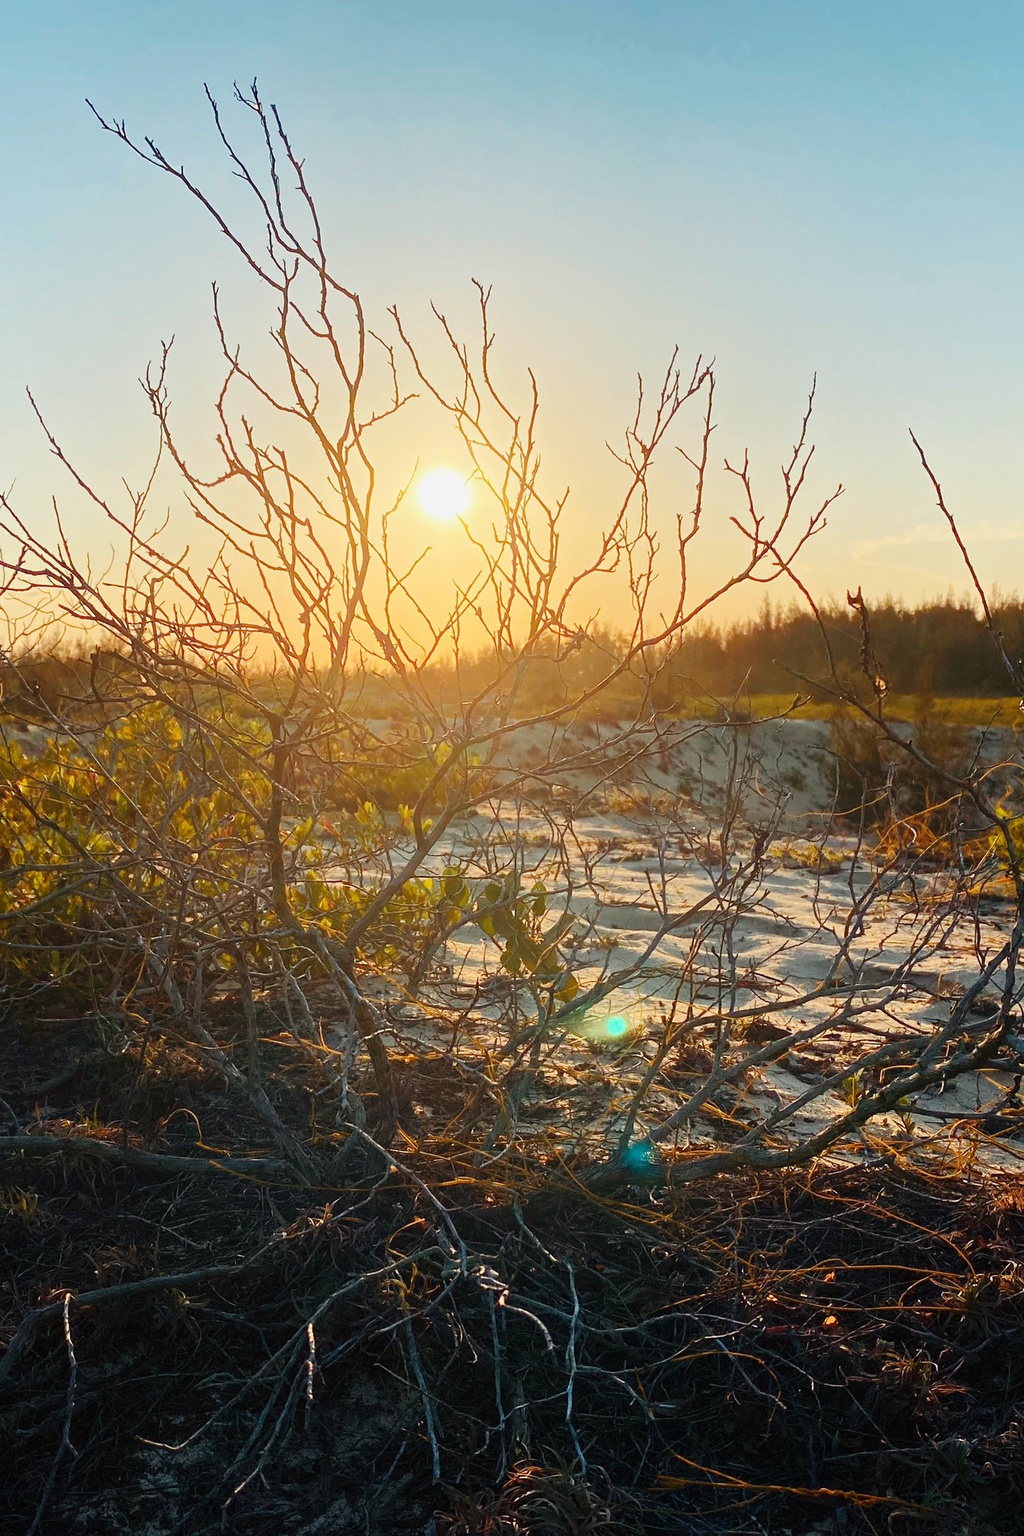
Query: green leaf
(510, 959)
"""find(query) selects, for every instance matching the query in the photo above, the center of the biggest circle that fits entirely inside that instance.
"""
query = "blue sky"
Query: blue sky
(790, 187)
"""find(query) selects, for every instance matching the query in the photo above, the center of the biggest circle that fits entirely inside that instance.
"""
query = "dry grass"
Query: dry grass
(450, 1348)
(898, 706)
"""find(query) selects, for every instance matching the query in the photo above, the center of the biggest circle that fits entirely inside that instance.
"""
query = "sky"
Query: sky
(790, 187)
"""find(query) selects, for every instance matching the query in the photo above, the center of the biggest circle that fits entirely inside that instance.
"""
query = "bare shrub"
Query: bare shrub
(394, 919)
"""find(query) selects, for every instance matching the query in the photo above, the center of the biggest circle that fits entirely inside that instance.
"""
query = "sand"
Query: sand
(631, 847)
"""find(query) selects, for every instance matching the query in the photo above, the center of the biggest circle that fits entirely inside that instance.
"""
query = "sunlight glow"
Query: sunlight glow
(616, 1027)
(444, 495)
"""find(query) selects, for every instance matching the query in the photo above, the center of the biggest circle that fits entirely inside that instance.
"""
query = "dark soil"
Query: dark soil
(833, 1351)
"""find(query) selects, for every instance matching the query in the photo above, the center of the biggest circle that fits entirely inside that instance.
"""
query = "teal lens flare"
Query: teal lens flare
(616, 1027)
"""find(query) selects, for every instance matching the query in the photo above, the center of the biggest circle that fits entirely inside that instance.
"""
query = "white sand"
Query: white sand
(643, 859)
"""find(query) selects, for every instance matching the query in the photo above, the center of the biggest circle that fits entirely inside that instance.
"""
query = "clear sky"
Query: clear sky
(789, 185)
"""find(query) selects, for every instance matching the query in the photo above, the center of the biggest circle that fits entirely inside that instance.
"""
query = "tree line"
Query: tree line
(940, 647)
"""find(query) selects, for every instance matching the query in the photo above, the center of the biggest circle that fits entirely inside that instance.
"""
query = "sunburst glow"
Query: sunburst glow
(444, 495)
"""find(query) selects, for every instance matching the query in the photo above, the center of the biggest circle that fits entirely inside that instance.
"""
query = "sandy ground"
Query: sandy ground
(628, 839)
(633, 852)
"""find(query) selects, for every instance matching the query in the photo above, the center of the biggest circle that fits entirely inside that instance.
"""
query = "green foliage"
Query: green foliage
(406, 925)
(391, 778)
(103, 831)
(817, 857)
(852, 1089)
(108, 834)
(1006, 844)
(513, 918)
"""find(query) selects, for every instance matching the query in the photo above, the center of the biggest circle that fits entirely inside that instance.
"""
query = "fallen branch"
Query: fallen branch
(130, 1157)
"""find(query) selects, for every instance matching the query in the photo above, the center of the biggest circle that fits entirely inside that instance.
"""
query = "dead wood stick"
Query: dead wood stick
(131, 1157)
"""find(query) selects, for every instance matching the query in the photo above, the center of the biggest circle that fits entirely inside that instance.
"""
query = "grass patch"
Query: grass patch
(898, 706)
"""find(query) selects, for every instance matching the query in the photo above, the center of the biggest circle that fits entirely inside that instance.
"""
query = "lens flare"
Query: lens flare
(642, 1159)
(616, 1027)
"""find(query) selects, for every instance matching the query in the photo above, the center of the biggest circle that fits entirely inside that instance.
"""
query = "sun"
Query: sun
(444, 495)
